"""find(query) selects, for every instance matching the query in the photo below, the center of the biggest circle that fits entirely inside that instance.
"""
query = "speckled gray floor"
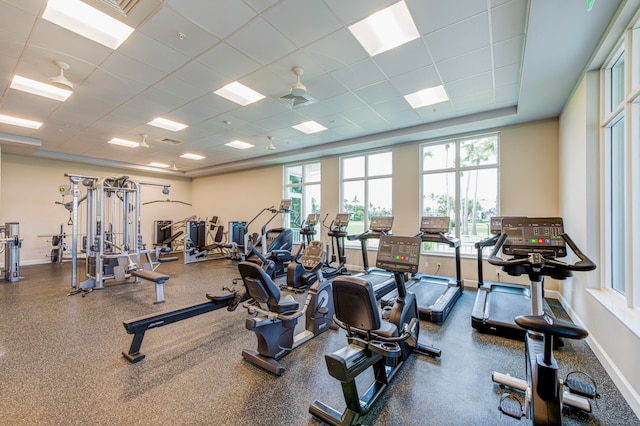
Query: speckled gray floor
(61, 363)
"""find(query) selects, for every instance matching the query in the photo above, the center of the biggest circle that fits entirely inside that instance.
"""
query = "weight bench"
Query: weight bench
(158, 278)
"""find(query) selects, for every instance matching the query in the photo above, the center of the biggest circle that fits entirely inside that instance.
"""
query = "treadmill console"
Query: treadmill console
(399, 254)
(381, 223)
(534, 235)
(496, 223)
(341, 220)
(435, 224)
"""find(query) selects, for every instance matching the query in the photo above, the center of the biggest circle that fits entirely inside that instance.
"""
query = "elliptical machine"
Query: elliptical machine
(298, 279)
(275, 316)
(535, 244)
(337, 231)
(373, 342)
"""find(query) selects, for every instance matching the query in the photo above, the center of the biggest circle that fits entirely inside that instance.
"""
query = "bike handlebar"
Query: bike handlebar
(583, 263)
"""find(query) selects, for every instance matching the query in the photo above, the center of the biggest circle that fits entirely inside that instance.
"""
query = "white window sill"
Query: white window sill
(616, 304)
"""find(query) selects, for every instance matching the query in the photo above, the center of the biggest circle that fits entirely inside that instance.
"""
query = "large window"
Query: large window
(620, 146)
(302, 186)
(460, 181)
(365, 186)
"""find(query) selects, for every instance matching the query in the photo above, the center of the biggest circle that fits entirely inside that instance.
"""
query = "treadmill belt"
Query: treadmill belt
(503, 307)
(428, 292)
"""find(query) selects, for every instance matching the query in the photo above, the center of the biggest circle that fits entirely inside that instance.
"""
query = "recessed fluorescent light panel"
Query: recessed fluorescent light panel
(160, 165)
(385, 29)
(239, 145)
(426, 97)
(15, 121)
(239, 93)
(192, 156)
(124, 142)
(309, 127)
(41, 89)
(163, 123)
(83, 19)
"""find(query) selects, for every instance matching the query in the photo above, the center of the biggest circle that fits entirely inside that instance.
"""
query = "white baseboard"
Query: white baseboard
(628, 392)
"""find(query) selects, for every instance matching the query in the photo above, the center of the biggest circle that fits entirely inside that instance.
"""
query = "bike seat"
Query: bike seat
(546, 324)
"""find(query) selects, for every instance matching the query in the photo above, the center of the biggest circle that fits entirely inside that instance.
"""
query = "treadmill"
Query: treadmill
(337, 230)
(435, 294)
(498, 303)
(382, 281)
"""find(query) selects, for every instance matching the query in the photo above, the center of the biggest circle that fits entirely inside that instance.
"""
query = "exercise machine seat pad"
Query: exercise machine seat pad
(355, 304)
(252, 272)
(156, 277)
(546, 324)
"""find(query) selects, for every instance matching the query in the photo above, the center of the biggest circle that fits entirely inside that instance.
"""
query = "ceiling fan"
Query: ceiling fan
(298, 95)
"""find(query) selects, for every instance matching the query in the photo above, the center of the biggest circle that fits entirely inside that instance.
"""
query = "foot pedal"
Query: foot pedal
(511, 406)
(583, 388)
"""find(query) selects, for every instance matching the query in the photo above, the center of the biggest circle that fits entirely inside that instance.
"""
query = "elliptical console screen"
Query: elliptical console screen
(342, 220)
(496, 223)
(434, 224)
(381, 223)
(399, 254)
(285, 204)
(312, 219)
(312, 255)
(534, 235)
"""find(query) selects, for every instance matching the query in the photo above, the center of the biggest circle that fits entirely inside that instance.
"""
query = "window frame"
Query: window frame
(366, 179)
(304, 184)
(467, 248)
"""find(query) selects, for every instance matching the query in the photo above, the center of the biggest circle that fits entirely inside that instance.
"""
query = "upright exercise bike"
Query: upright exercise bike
(275, 316)
(298, 278)
(536, 244)
(373, 343)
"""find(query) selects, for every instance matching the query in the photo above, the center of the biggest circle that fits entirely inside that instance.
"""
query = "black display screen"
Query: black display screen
(381, 223)
(399, 254)
(342, 219)
(534, 235)
(435, 224)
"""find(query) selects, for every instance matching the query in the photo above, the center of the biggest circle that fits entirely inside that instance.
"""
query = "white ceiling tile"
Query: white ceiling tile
(337, 50)
(460, 38)
(180, 88)
(355, 10)
(132, 69)
(509, 75)
(466, 65)
(302, 22)
(416, 79)
(508, 52)
(220, 17)
(394, 62)
(228, 61)
(201, 75)
(261, 41)
(433, 15)
(165, 26)
(16, 23)
(512, 17)
(260, 5)
(151, 52)
(470, 86)
(359, 74)
(377, 92)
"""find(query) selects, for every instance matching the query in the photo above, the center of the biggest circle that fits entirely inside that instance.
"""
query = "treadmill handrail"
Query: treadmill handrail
(440, 237)
(583, 263)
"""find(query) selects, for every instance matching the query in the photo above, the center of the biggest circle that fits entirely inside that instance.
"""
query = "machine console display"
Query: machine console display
(435, 224)
(381, 223)
(534, 235)
(312, 219)
(341, 220)
(399, 254)
(313, 255)
(285, 204)
(496, 223)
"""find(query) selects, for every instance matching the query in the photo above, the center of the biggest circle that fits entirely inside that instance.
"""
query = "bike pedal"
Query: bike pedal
(580, 387)
(511, 406)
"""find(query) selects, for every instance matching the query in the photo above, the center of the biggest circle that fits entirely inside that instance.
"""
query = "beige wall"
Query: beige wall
(29, 188)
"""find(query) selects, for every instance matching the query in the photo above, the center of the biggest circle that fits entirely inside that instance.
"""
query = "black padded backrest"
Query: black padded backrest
(259, 276)
(355, 303)
(219, 234)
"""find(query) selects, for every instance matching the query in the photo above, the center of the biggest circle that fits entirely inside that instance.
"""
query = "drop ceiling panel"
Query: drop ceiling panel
(202, 76)
(512, 16)
(302, 22)
(416, 79)
(165, 26)
(220, 17)
(470, 86)
(131, 69)
(462, 66)
(228, 61)
(352, 11)
(337, 50)
(180, 88)
(394, 62)
(359, 75)
(107, 87)
(434, 15)
(460, 38)
(15, 22)
(153, 53)
(261, 41)
(508, 52)
(377, 93)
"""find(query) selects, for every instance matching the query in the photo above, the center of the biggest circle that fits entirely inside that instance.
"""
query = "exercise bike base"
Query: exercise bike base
(269, 364)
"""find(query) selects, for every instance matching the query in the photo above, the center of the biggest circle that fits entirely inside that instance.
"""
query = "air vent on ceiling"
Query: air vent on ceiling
(171, 141)
(123, 7)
